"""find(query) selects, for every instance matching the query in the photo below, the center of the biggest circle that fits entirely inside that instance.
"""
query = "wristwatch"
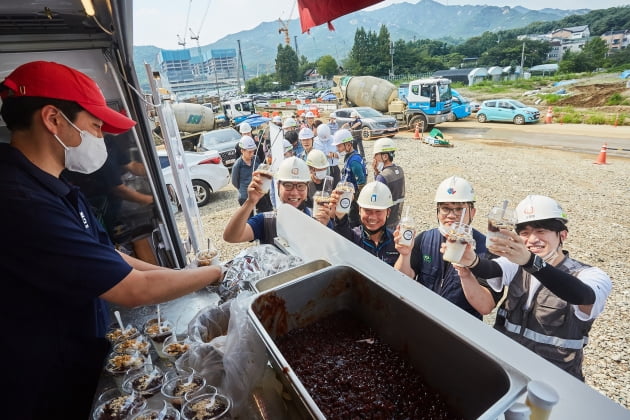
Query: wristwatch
(537, 265)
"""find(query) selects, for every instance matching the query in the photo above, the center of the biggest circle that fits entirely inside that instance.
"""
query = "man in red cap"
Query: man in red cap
(58, 265)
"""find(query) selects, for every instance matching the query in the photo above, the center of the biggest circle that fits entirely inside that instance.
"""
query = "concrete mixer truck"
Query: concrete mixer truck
(427, 101)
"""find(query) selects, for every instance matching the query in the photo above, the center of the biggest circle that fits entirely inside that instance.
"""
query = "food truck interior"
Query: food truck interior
(95, 37)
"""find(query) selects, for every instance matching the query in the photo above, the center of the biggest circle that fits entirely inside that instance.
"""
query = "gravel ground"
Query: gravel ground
(595, 198)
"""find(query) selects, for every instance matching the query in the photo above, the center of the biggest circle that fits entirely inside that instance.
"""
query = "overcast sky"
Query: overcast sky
(159, 22)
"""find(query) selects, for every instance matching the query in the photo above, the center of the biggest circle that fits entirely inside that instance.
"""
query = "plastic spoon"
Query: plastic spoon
(505, 204)
(159, 319)
(164, 411)
(461, 221)
(120, 323)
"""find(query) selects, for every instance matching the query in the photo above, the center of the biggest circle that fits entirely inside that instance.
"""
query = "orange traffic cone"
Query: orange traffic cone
(416, 135)
(601, 159)
(617, 120)
(549, 117)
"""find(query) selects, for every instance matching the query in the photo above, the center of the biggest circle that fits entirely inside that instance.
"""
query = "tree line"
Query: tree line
(372, 52)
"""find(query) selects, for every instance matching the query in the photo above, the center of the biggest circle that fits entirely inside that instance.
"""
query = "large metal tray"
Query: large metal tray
(289, 275)
(472, 383)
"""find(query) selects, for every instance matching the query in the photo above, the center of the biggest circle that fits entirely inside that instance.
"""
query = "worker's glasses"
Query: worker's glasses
(445, 210)
(290, 185)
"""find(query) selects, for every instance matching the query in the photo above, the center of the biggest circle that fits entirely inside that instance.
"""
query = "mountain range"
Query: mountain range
(425, 19)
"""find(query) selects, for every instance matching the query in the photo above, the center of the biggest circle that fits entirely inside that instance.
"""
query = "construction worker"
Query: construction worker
(242, 171)
(552, 300)
(423, 261)
(277, 120)
(290, 127)
(305, 137)
(332, 123)
(390, 174)
(320, 178)
(354, 170)
(324, 142)
(355, 127)
(375, 202)
(293, 176)
(288, 148)
(309, 120)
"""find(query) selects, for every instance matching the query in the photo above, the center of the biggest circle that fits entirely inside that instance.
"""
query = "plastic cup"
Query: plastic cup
(207, 257)
(458, 236)
(267, 177)
(175, 388)
(119, 364)
(167, 413)
(174, 347)
(541, 398)
(321, 200)
(146, 382)
(114, 405)
(207, 406)
(347, 195)
(139, 344)
(407, 231)
(115, 334)
(499, 218)
(158, 333)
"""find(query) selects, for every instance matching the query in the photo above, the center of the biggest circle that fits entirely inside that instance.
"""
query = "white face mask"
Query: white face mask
(88, 156)
(380, 166)
(342, 154)
(320, 174)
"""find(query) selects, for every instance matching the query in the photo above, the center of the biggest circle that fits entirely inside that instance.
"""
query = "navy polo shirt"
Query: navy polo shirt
(55, 261)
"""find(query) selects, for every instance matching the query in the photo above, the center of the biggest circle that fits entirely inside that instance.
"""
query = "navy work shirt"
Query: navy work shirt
(56, 262)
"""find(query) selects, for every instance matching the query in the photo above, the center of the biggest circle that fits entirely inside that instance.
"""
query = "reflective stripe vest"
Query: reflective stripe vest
(549, 327)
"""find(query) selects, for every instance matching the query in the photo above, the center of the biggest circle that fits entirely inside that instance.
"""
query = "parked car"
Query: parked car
(207, 173)
(375, 124)
(460, 107)
(507, 110)
(474, 106)
(224, 141)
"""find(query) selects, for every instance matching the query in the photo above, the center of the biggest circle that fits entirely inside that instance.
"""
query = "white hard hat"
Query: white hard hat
(287, 146)
(247, 143)
(289, 122)
(455, 190)
(309, 114)
(317, 159)
(333, 115)
(342, 136)
(293, 169)
(245, 128)
(384, 145)
(354, 114)
(306, 133)
(539, 207)
(375, 195)
(276, 119)
(323, 131)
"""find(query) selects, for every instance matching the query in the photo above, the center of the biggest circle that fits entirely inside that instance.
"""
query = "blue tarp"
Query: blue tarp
(255, 120)
(329, 97)
(625, 74)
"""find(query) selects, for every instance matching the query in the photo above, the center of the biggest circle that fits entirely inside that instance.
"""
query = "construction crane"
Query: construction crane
(284, 27)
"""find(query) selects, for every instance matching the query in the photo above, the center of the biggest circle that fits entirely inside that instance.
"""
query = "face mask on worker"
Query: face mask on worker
(342, 154)
(88, 156)
(320, 174)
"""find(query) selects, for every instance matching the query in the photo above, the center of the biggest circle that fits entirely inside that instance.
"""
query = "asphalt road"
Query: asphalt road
(580, 138)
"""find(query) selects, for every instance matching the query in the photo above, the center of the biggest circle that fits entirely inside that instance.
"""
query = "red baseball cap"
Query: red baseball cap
(53, 80)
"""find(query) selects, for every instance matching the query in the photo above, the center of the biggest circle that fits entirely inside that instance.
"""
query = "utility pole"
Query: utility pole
(296, 47)
(240, 57)
(391, 52)
(523, 61)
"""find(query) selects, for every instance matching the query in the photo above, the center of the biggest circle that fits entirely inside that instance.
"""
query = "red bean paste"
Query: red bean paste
(351, 374)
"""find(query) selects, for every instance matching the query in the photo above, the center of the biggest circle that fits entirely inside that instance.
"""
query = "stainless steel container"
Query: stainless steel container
(472, 383)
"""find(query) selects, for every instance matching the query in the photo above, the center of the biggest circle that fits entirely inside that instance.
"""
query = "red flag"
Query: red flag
(316, 12)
